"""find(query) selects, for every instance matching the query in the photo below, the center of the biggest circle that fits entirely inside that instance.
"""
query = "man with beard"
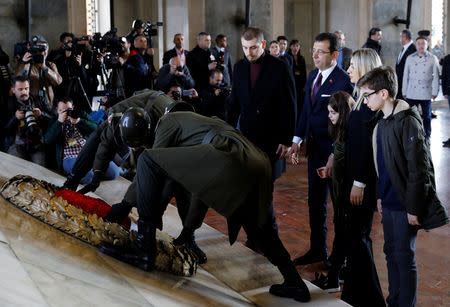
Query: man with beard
(22, 122)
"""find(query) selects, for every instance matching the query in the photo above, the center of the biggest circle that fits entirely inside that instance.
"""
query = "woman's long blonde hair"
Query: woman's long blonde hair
(363, 61)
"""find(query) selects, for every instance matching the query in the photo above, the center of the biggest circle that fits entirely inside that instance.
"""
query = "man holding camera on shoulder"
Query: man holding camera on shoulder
(214, 97)
(43, 75)
(22, 124)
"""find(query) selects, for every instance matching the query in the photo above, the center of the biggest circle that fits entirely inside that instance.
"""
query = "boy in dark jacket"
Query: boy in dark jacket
(407, 196)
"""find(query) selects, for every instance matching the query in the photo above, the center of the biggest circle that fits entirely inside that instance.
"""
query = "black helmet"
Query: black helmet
(178, 106)
(135, 127)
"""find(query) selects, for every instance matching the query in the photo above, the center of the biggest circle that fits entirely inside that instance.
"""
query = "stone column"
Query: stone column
(197, 21)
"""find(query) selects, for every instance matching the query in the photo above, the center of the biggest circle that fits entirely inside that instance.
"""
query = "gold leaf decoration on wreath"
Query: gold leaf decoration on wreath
(37, 198)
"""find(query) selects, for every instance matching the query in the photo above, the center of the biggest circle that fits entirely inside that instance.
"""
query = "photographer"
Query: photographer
(138, 73)
(214, 97)
(23, 124)
(69, 61)
(223, 58)
(43, 75)
(174, 73)
(190, 96)
(69, 133)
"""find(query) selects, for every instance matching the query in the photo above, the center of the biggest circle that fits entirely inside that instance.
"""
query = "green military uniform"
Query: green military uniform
(153, 102)
(216, 163)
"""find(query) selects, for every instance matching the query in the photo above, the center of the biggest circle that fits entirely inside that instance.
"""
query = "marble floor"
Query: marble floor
(433, 248)
(41, 266)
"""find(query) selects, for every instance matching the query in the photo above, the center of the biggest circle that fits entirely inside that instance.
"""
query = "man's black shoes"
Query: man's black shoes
(187, 239)
(298, 291)
(141, 253)
(327, 283)
(310, 257)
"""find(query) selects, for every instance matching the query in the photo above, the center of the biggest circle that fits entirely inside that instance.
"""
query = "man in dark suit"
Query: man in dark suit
(407, 49)
(345, 54)
(262, 102)
(285, 56)
(199, 61)
(313, 130)
(223, 58)
(178, 50)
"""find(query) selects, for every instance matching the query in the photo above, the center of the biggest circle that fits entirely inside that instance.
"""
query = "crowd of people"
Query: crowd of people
(356, 121)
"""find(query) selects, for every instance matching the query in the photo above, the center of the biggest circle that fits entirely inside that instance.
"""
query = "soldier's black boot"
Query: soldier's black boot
(187, 238)
(118, 212)
(140, 253)
(293, 285)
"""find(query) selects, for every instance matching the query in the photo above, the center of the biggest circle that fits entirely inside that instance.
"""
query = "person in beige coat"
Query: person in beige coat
(421, 81)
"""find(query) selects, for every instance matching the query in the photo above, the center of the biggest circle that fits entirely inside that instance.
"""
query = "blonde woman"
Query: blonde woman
(353, 215)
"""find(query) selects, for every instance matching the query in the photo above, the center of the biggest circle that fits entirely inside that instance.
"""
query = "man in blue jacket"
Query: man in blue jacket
(312, 129)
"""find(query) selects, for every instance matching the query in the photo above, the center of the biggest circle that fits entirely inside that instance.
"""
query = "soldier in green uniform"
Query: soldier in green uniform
(221, 169)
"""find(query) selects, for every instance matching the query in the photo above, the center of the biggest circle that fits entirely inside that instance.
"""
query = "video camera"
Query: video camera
(108, 45)
(149, 29)
(33, 48)
(72, 113)
(75, 47)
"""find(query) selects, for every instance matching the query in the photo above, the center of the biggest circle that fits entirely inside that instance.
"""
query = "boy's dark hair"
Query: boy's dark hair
(331, 38)
(64, 35)
(19, 78)
(379, 78)
(341, 102)
(274, 42)
(251, 33)
(282, 37)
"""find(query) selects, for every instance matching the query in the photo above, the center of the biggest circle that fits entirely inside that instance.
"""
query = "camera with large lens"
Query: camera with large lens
(176, 95)
(224, 90)
(30, 118)
(72, 113)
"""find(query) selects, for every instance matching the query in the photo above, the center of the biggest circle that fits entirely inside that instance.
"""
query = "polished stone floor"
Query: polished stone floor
(433, 248)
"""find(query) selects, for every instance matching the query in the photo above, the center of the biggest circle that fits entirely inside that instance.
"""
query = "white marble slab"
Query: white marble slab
(16, 286)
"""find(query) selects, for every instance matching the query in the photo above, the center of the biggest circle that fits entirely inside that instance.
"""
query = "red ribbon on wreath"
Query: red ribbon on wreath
(89, 204)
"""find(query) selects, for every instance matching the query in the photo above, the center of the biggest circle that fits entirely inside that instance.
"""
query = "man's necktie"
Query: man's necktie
(316, 88)
(400, 55)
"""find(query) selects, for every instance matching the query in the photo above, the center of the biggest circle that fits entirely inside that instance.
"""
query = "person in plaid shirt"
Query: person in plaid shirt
(69, 133)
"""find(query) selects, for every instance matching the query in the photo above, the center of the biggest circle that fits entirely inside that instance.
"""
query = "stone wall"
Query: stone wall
(49, 19)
